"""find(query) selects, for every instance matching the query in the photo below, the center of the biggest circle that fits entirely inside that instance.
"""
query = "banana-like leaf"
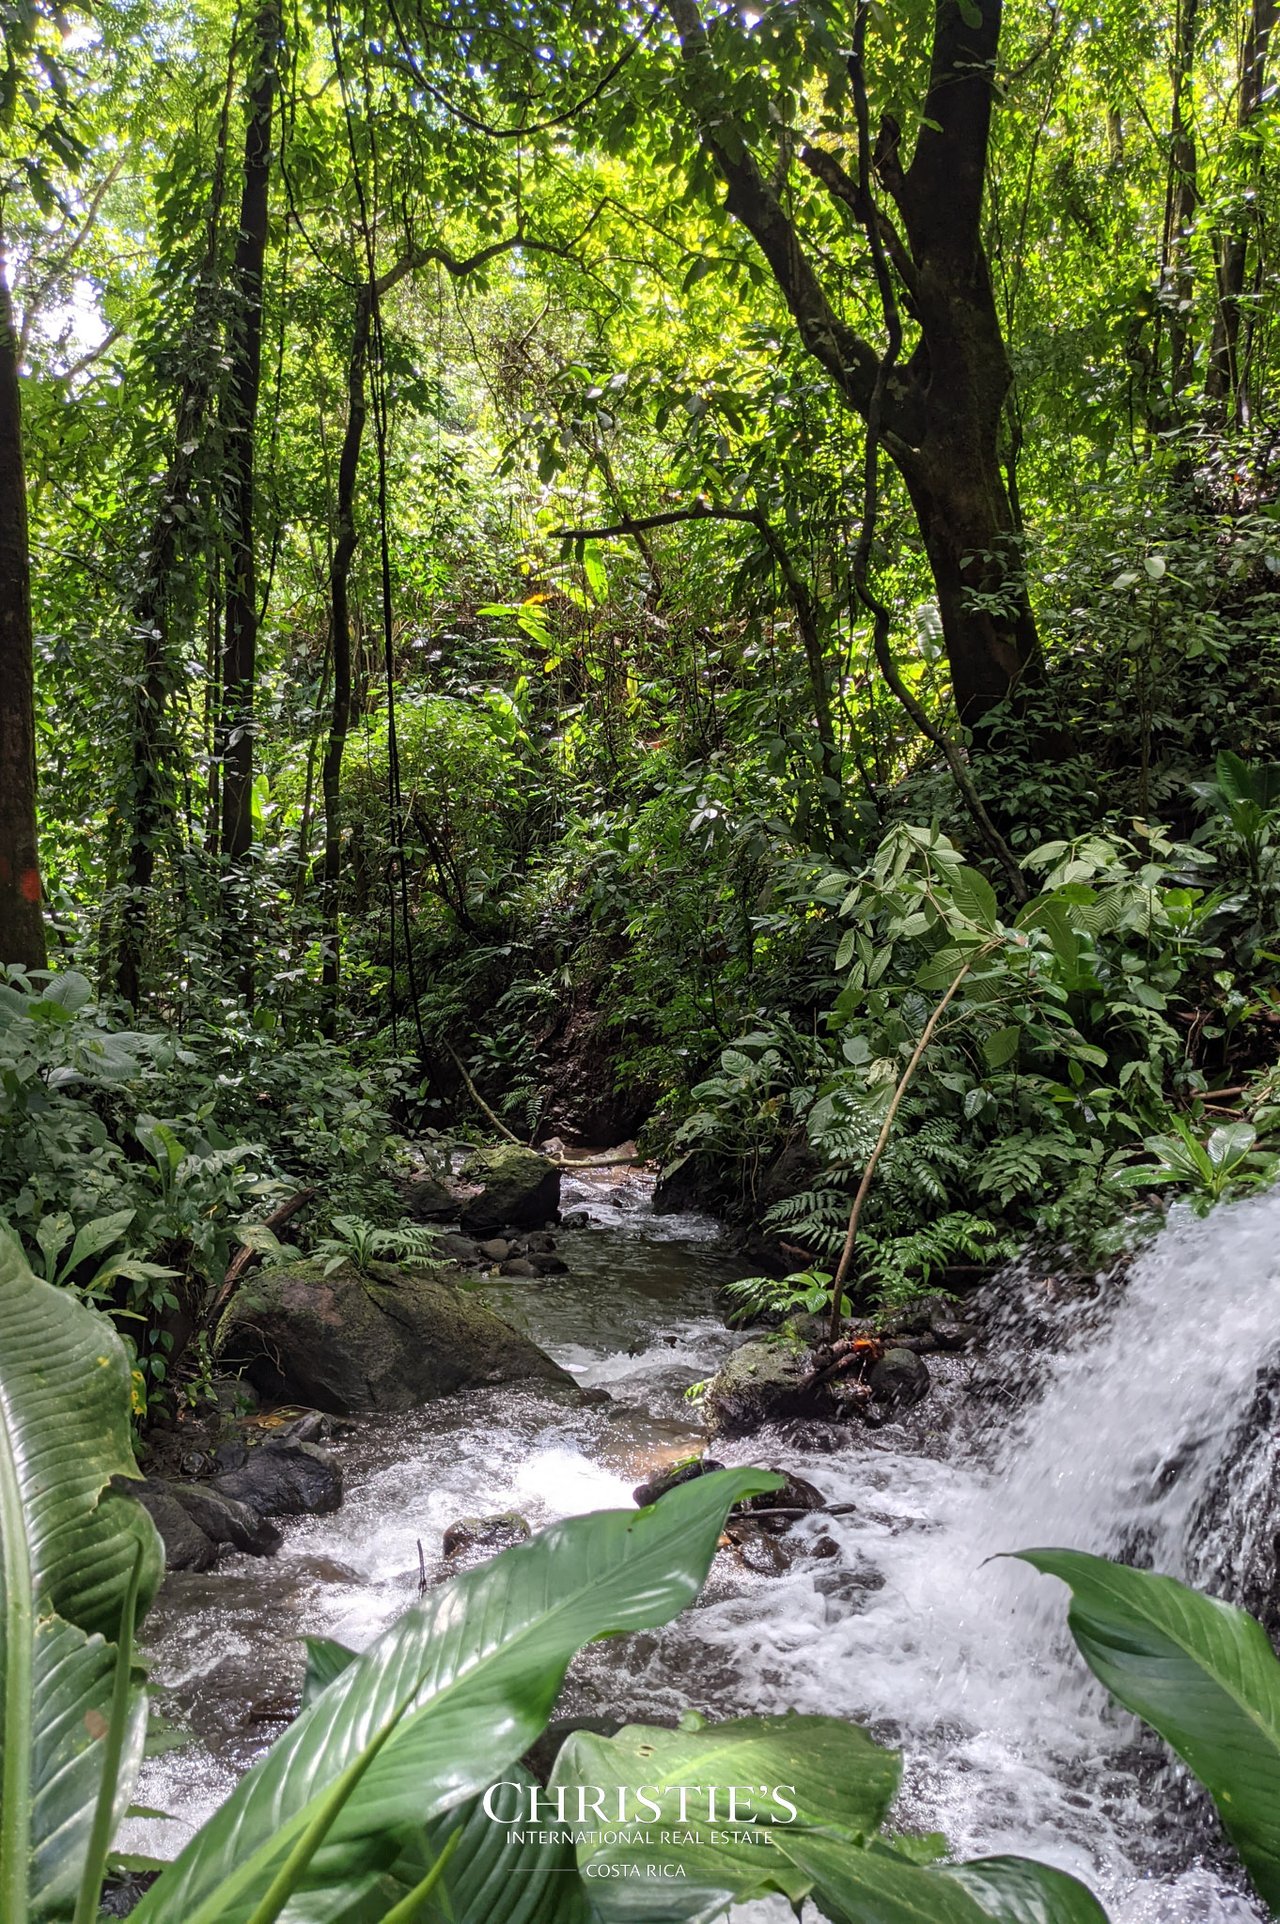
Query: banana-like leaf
(719, 1842)
(1200, 1672)
(500, 1874)
(875, 1887)
(326, 1659)
(479, 1663)
(69, 1546)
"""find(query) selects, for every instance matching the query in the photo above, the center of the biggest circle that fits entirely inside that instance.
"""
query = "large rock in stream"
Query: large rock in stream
(521, 1190)
(383, 1341)
(765, 1379)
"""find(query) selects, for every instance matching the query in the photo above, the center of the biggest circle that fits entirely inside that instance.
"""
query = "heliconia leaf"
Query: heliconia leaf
(480, 1662)
(1201, 1673)
(71, 1544)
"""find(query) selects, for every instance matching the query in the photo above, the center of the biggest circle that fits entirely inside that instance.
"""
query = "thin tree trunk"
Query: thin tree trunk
(240, 414)
(1178, 285)
(152, 800)
(1227, 379)
(22, 936)
(340, 641)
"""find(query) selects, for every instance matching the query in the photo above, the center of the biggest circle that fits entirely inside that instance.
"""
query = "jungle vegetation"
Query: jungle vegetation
(721, 557)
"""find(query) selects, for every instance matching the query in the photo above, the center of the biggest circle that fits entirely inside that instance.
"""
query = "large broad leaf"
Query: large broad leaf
(696, 1814)
(493, 1874)
(703, 1858)
(473, 1672)
(69, 1547)
(876, 1887)
(1200, 1672)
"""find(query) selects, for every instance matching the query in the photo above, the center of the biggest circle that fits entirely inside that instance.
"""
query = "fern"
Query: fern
(899, 1267)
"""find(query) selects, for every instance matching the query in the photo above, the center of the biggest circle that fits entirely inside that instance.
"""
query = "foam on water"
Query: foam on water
(1131, 1445)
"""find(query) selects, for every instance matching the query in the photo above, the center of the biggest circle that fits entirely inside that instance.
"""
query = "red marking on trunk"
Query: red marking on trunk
(29, 883)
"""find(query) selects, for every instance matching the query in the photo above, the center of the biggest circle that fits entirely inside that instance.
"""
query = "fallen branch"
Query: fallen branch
(245, 1257)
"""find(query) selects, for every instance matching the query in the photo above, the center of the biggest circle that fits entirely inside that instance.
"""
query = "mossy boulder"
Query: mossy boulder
(519, 1190)
(388, 1340)
(763, 1380)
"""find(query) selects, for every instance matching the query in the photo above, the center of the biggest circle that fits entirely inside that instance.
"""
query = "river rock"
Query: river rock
(225, 1519)
(284, 1478)
(495, 1250)
(520, 1266)
(796, 1494)
(186, 1547)
(899, 1379)
(428, 1200)
(519, 1190)
(385, 1341)
(763, 1380)
(460, 1249)
(671, 1476)
(488, 1533)
(576, 1219)
(550, 1265)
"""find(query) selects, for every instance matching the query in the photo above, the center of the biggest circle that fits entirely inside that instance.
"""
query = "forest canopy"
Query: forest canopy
(602, 559)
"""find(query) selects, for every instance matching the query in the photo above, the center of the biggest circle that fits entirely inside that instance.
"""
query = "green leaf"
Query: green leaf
(974, 897)
(326, 1659)
(1002, 1046)
(812, 1771)
(95, 1237)
(1202, 1674)
(1230, 1144)
(69, 1548)
(483, 1659)
(875, 1887)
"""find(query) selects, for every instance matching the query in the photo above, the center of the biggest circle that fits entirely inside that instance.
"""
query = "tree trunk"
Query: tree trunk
(1177, 281)
(1227, 379)
(340, 641)
(940, 416)
(152, 798)
(22, 937)
(240, 414)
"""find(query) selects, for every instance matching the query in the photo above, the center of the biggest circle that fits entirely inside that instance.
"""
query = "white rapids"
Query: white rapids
(1128, 1442)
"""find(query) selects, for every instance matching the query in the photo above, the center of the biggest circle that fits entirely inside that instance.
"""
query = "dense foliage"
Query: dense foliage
(511, 600)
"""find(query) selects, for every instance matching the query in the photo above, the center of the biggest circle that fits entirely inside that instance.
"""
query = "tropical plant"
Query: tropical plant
(804, 1291)
(1203, 1674)
(362, 1243)
(1226, 1161)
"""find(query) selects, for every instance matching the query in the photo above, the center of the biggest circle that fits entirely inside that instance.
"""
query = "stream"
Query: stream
(1123, 1435)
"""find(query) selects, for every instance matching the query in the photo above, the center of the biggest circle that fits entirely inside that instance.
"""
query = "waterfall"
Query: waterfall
(1148, 1436)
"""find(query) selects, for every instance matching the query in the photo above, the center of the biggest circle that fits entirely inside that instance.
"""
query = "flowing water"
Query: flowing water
(1139, 1423)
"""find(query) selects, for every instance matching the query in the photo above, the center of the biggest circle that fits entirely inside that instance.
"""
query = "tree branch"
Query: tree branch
(848, 359)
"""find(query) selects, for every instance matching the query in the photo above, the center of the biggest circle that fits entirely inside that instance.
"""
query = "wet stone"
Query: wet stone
(486, 1535)
(899, 1380)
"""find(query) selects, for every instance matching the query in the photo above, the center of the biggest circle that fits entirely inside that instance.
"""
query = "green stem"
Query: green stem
(409, 1909)
(19, 1657)
(95, 1864)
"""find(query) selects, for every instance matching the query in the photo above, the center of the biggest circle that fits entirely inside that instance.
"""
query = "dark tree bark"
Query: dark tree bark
(340, 644)
(1227, 380)
(22, 937)
(239, 419)
(152, 798)
(941, 415)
